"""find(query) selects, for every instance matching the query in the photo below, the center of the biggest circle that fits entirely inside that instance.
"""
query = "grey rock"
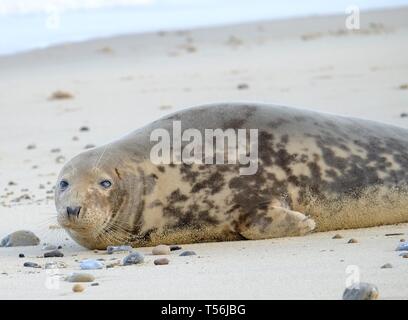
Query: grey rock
(386, 266)
(361, 291)
(49, 247)
(187, 253)
(31, 265)
(90, 264)
(80, 277)
(161, 261)
(115, 249)
(403, 246)
(55, 265)
(174, 247)
(20, 238)
(53, 254)
(133, 258)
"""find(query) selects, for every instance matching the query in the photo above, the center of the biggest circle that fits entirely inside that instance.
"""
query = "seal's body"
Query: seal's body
(315, 171)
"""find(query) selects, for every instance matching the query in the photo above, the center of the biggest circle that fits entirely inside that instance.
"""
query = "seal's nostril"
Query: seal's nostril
(73, 211)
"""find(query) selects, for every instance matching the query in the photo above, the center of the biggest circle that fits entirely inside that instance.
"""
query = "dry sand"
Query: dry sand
(122, 83)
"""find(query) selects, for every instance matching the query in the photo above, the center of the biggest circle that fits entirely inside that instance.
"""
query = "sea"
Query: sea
(30, 24)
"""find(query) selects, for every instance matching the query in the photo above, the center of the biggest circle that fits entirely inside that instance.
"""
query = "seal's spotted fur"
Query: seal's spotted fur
(314, 170)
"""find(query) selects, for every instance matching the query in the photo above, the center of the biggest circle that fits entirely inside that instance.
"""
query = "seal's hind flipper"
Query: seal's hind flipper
(278, 222)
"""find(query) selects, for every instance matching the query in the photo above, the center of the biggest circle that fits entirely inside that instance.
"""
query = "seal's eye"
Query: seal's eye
(63, 184)
(106, 184)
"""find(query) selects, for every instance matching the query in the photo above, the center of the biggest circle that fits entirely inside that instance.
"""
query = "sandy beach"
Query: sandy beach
(116, 85)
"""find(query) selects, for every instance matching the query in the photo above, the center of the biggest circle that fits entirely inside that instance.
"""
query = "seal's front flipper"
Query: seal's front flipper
(278, 222)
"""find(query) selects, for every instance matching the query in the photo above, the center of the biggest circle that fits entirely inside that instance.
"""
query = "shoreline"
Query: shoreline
(204, 28)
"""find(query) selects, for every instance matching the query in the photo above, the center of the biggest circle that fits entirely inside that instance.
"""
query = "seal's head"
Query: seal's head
(94, 194)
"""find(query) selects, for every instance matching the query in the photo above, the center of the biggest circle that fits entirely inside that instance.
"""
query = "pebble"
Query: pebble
(20, 238)
(53, 253)
(94, 284)
(133, 258)
(361, 291)
(89, 146)
(337, 236)
(386, 266)
(161, 250)
(31, 265)
(122, 248)
(49, 247)
(61, 95)
(352, 241)
(84, 128)
(80, 277)
(402, 240)
(90, 264)
(161, 261)
(60, 159)
(174, 247)
(55, 150)
(31, 146)
(187, 253)
(78, 288)
(405, 255)
(242, 86)
(55, 265)
(21, 255)
(403, 246)
(113, 264)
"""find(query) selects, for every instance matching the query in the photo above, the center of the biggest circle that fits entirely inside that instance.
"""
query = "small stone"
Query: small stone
(337, 236)
(61, 95)
(55, 150)
(12, 183)
(361, 291)
(404, 86)
(386, 266)
(113, 264)
(78, 288)
(60, 159)
(55, 265)
(174, 247)
(161, 261)
(161, 250)
(75, 138)
(95, 284)
(90, 264)
(80, 277)
(404, 255)
(53, 253)
(19, 239)
(89, 146)
(31, 146)
(187, 253)
(115, 249)
(31, 265)
(133, 258)
(403, 246)
(242, 86)
(21, 255)
(404, 115)
(84, 128)
(352, 240)
(402, 240)
(49, 247)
